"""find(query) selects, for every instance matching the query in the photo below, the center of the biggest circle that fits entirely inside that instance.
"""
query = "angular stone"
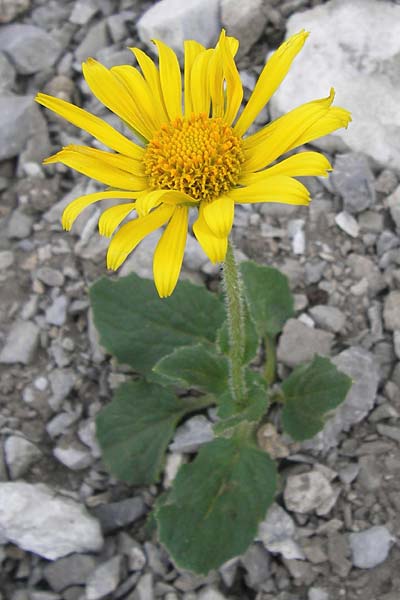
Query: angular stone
(9, 9)
(19, 225)
(70, 570)
(51, 277)
(347, 223)
(299, 343)
(20, 120)
(6, 259)
(353, 179)
(174, 21)
(361, 366)
(73, 455)
(351, 60)
(393, 202)
(30, 48)
(56, 313)
(391, 311)
(7, 73)
(83, 11)
(20, 455)
(94, 40)
(118, 514)
(278, 532)
(307, 492)
(104, 580)
(21, 343)
(245, 21)
(370, 547)
(195, 432)
(256, 561)
(328, 317)
(40, 520)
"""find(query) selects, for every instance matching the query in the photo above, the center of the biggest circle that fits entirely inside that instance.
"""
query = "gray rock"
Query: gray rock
(70, 570)
(278, 532)
(40, 520)
(21, 343)
(83, 11)
(73, 455)
(396, 343)
(307, 492)
(19, 225)
(6, 259)
(104, 580)
(347, 223)
(60, 423)
(353, 179)
(370, 547)
(210, 593)
(95, 39)
(145, 588)
(317, 593)
(351, 61)
(363, 267)
(118, 514)
(195, 432)
(9, 9)
(256, 562)
(245, 21)
(56, 313)
(7, 73)
(20, 120)
(338, 553)
(370, 474)
(393, 202)
(328, 317)
(20, 455)
(30, 48)
(391, 311)
(62, 381)
(174, 21)
(314, 271)
(387, 241)
(360, 365)
(194, 257)
(49, 276)
(299, 343)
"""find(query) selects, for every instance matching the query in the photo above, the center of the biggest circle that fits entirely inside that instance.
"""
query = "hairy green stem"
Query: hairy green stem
(270, 363)
(236, 328)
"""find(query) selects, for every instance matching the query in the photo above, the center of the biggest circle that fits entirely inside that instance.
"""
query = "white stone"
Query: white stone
(347, 223)
(307, 492)
(40, 520)
(104, 579)
(195, 432)
(345, 50)
(20, 454)
(244, 20)
(21, 343)
(30, 48)
(174, 21)
(370, 547)
(278, 532)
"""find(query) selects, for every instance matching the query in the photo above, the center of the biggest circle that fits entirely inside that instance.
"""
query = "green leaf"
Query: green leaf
(215, 504)
(268, 297)
(197, 367)
(139, 328)
(310, 392)
(257, 405)
(135, 428)
(251, 342)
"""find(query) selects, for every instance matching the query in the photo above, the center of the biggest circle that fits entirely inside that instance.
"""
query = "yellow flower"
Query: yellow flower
(192, 157)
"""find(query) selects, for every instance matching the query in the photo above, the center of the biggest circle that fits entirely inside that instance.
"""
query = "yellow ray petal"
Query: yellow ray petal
(265, 146)
(146, 201)
(112, 93)
(270, 79)
(168, 256)
(216, 83)
(91, 165)
(125, 163)
(171, 81)
(335, 118)
(219, 214)
(98, 128)
(281, 189)
(128, 237)
(141, 95)
(234, 88)
(299, 165)
(74, 209)
(152, 76)
(214, 247)
(113, 217)
(192, 50)
(200, 83)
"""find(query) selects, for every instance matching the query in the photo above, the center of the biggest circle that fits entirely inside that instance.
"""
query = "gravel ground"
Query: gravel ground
(333, 533)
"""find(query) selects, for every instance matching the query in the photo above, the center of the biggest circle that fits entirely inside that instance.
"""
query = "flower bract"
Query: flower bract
(190, 150)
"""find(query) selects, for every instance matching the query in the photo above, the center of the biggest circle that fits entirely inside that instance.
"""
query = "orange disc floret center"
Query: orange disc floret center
(199, 156)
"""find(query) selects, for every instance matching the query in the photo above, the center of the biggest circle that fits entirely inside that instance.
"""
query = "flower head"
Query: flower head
(191, 155)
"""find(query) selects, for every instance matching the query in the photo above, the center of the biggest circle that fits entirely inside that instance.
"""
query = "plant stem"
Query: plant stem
(236, 329)
(270, 363)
